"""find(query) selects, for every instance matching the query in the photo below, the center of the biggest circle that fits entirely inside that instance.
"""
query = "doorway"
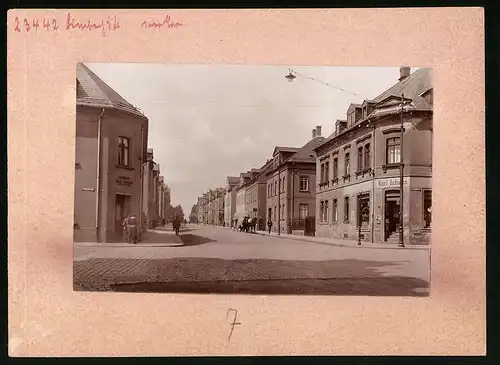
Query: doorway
(391, 217)
(122, 210)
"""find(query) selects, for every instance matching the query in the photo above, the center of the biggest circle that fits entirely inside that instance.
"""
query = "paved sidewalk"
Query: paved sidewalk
(337, 242)
(160, 237)
(343, 243)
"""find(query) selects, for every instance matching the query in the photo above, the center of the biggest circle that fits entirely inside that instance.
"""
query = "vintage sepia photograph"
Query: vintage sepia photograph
(262, 179)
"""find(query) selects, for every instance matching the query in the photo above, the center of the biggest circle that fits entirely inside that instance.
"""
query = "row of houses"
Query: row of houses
(115, 172)
(348, 183)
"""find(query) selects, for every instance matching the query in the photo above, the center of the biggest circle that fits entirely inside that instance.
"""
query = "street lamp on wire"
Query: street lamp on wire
(292, 75)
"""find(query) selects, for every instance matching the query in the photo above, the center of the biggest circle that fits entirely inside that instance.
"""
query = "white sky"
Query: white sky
(207, 122)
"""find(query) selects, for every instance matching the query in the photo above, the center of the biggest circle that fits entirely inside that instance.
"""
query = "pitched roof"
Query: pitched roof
(413, 87)
(305, 153)
(233, 179)
(284, 149)
(92, 91)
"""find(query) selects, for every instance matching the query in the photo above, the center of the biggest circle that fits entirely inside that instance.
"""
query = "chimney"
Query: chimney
(404, 72)
(318, 131)
(314, 133)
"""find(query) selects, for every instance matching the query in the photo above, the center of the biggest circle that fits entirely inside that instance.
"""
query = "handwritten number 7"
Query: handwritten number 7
(16, 27)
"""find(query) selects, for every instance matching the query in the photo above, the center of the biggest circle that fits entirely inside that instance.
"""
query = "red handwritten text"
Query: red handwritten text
(167, 23)
(28, 25)
(110, 24)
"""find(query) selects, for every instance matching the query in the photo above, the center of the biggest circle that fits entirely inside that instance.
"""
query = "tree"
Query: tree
(193, 217)
(178, 212)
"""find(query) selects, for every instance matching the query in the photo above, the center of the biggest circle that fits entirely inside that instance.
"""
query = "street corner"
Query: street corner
(160, 237)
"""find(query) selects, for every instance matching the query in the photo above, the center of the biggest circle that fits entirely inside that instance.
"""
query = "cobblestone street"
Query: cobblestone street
(214, 259)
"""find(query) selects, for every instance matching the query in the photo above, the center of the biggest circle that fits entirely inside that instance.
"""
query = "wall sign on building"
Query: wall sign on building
(124, 180)
(88, 189)
(391, 182)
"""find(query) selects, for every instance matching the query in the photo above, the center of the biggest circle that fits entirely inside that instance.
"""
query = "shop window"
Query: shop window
(123, 151)
(427, 208)
(303, 211)
(364, 210)
(304, 183)
(346, 209)
(393, 150)
(334, 211)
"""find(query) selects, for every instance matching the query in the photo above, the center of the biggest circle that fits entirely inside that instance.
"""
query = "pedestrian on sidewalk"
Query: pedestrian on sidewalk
(269, 225)
(125, 229)
(132, 229)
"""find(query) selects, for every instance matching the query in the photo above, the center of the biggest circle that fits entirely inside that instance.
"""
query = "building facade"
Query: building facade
(220, 203)
(241, 209)
(358, 167)
(256, 198)
(291, 186)
(111, 145)
(150, 191)
(167, 209)
(230, 199)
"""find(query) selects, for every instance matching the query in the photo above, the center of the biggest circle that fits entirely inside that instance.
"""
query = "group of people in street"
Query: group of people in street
(130, 228)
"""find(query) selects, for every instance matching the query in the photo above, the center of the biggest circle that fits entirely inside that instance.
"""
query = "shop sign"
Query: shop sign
(124, 180)
(391, 182)
(88, 189)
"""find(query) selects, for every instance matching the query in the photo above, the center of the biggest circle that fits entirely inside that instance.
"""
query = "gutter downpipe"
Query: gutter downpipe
(373, 182)
(293, 197)
(141, 198)
(98, 176)
(279, 200)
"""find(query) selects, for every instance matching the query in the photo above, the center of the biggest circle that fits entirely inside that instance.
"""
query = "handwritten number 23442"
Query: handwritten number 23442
(47, 24)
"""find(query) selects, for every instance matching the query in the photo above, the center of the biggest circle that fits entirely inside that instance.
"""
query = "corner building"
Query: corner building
(111, 145)
(358, 167)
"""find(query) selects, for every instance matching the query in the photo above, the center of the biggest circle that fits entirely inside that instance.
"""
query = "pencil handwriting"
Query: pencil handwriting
(167, 23)
(111, 24)
(73, 23)
(33, 24)
(233, 323)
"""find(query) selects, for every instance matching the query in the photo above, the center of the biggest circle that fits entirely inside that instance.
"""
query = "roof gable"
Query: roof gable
(352, 107)
(92, 90)
(412, 86)
(306, 152)
(278, 149)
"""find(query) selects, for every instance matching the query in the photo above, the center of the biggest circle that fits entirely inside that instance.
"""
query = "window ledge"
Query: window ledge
(124, 167)
(390, 166)
(346, 178)
(364, 172)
